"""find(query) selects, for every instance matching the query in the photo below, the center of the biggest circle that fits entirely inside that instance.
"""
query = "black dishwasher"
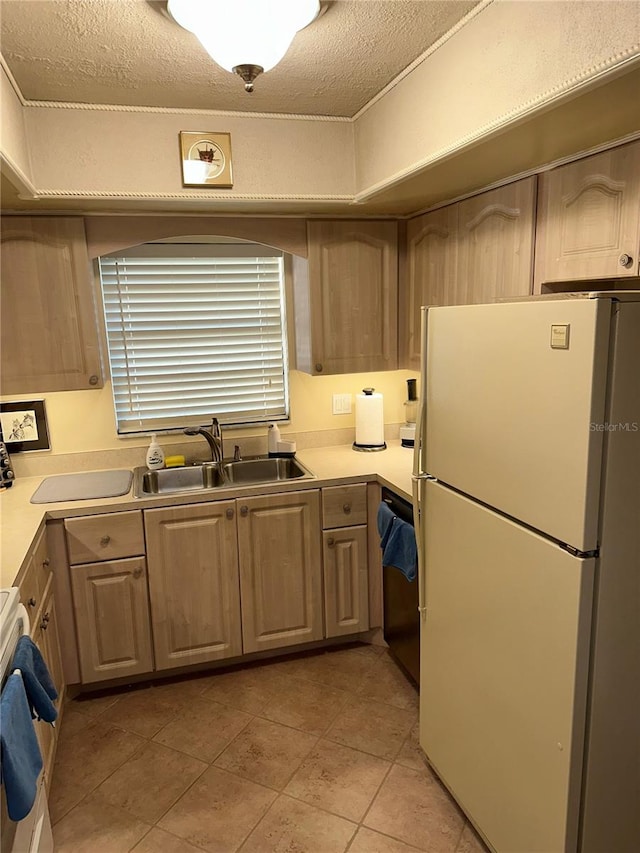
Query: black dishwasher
(400, 597)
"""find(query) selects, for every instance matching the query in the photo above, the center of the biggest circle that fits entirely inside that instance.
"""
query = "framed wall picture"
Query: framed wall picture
(24, 426)
(206, 159)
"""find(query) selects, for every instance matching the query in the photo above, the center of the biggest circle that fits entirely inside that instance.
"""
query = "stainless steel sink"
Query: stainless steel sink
(263, 471)
(214, 475)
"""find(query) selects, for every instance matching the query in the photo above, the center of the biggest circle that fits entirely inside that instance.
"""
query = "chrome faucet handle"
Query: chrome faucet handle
(237, 456)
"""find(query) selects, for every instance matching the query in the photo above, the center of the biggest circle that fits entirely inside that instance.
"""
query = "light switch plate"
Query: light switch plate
(342, 404)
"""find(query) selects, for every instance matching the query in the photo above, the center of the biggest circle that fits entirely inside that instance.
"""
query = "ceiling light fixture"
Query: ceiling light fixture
(246, 37)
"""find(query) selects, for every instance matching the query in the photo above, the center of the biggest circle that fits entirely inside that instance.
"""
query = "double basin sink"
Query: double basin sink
(207, 476)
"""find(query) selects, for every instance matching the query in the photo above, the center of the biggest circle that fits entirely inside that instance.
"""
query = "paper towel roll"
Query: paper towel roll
(369, 421)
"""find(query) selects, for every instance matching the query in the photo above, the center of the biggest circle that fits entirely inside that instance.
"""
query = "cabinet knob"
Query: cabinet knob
(105, 541)
(331, 542)
(137, 572)
(93, 380)
(318, 367)
(32, 602)
(244, 510)
(45, 621)
(229, 513)
(625, 261)
(346, 508)
(46, 562)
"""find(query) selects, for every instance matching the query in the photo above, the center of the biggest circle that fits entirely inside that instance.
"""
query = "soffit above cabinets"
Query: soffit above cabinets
(129, 52)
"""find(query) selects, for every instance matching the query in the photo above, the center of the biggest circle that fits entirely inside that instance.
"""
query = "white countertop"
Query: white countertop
(21, 520)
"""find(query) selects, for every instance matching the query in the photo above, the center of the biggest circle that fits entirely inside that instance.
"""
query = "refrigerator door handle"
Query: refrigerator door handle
(419, 475)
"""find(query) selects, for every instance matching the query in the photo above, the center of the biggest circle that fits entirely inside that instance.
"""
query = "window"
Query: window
(195, 331)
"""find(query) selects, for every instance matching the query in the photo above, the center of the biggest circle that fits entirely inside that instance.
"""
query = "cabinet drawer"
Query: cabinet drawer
(343, 506)
(37, 574)
(104, 537)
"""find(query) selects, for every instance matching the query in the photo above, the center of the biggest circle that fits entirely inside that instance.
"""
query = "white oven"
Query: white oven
(33, 834)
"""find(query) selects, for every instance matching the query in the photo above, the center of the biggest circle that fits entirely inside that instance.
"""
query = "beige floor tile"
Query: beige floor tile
(148, 784)
(96, 827)
(294, 827)
(372, 727)
(368, 841)
(339, 779)
(183, 691)
(72, 722)
(344, 669)
(267, 753)
(141, 712)
(249, 690)
(85, 760)
(159, 841)
(413, 807)
(386, 683)
(92, 707)
(306, 705)
(203, 729)
(218, 812)
(411, 754)
(470, 841)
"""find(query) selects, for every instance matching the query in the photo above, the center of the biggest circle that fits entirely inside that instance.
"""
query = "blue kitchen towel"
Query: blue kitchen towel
(21, 759)
(38, 685)
(385, 522)
(401, 550)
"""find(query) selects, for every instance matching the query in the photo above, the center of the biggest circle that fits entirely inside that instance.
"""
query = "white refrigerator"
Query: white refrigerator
(527, 512)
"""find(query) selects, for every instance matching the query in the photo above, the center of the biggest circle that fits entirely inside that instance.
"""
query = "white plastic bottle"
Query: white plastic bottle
(274, 438)
(155, 455)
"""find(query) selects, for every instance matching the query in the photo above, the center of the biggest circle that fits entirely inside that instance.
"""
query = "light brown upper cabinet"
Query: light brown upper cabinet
(478, 250)
(430, 277)
(589, 218)
(49, 330)
(346, 299)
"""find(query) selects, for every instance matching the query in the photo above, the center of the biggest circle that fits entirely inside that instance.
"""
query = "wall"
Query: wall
(83, 422)
(507, 60)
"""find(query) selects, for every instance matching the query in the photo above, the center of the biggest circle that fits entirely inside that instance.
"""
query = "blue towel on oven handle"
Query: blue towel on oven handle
(21, 758)
(38, 685)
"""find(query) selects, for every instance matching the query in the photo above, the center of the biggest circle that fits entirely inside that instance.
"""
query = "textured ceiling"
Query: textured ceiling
(128, 52)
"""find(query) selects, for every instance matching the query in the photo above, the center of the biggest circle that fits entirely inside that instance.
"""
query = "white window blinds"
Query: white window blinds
(195, 331)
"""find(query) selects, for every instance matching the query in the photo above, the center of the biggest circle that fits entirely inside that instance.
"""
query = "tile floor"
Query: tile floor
(313, 754)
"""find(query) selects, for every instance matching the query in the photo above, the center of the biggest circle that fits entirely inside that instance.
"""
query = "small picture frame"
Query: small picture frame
(23, 426)
(206, 159)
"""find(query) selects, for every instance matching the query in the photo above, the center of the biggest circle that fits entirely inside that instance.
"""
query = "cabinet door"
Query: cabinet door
(353, 275)
(430, 277)
(192, 554)
(280, 570)
(495, 243)
(589, 218)
(45, 636)
(346, 587)
(111, 605)
(49, 329)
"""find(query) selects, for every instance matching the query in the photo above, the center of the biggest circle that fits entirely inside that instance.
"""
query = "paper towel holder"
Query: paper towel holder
(369, 448)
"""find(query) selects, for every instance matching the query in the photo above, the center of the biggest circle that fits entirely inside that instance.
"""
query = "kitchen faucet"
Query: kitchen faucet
(213, 437)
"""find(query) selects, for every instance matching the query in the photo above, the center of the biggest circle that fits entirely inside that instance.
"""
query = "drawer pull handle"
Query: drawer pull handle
(331, 542)
(105, 541)
(32, 602)
(346, 508)
(46, 562)
(244, 510)
(137, 572)
(229, 514)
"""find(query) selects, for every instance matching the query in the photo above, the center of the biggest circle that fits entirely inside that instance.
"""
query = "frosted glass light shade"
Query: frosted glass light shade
(256, 32)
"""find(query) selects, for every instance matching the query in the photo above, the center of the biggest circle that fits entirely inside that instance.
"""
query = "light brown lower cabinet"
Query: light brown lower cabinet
(112, 619)
(346, 584)
(280, 570)
(45, 636)
(192, 557)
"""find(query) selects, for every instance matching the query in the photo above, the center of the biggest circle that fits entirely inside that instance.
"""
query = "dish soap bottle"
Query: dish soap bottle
(155, 455)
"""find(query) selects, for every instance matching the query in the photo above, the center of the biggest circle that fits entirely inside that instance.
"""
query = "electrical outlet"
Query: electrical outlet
(342, 404)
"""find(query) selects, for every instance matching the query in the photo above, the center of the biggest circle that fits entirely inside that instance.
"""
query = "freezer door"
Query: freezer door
(503, 679)
(512, 417)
